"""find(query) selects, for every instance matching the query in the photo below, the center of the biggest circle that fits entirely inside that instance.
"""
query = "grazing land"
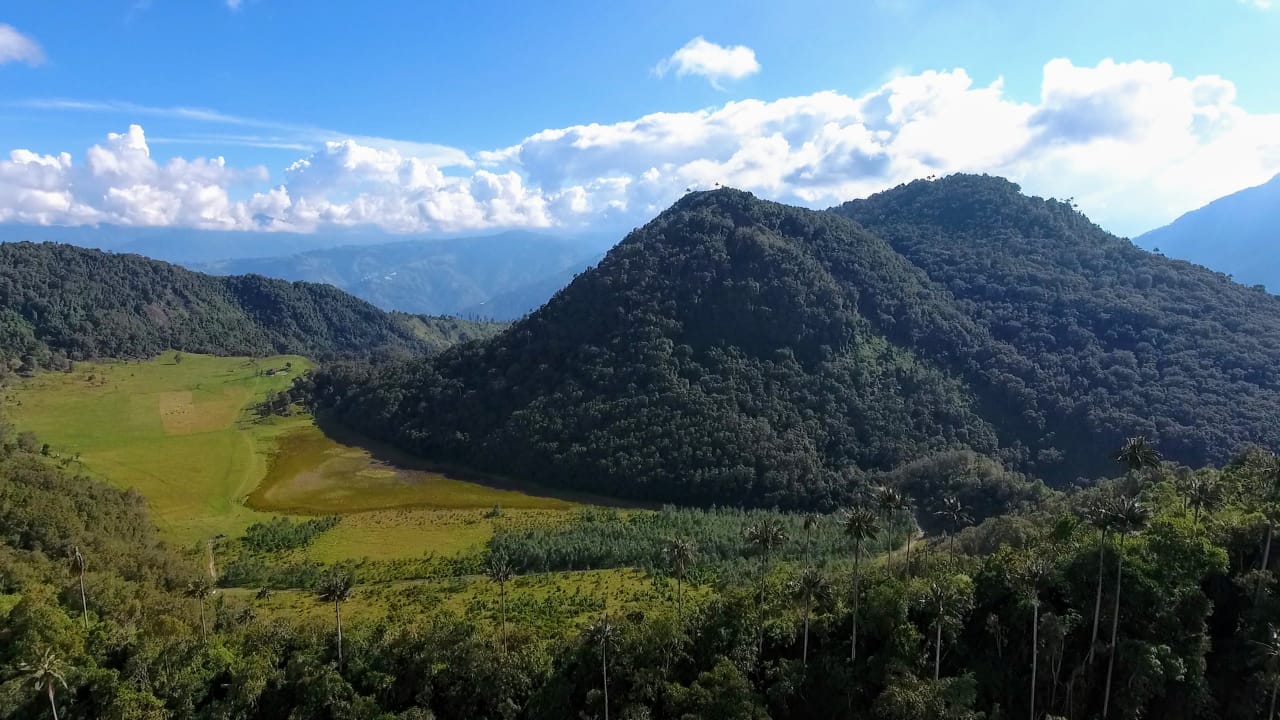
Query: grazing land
(182, 431)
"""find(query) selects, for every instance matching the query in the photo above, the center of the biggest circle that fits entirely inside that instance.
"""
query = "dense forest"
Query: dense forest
(737, 350)
(60, 303)
(1151, 595)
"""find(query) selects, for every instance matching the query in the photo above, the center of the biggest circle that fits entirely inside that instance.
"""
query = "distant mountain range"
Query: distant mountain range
(499, 277)
(1238, 234)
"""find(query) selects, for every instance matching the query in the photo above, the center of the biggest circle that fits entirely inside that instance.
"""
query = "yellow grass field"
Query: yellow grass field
(183, 435)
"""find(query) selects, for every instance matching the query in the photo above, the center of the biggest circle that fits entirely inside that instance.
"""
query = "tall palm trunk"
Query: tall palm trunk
(1115, 623)
(804, 657)
(937, 650)
(1097, 598)
(53, 704)
(1035, 651)
(604, 674)
(1266, 557)
(84, 602)
(502, 601)
(204, 632)
(857, 591)
(680, 596)
(906, 569)
(337, 616)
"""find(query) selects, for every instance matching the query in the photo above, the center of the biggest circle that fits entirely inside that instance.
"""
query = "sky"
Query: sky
(451, 117)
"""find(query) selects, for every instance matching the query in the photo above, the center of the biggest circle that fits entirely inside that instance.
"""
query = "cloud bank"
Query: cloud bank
(16, 47)
(1134, 144)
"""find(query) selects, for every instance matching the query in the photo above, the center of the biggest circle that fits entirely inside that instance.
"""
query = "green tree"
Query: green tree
(1097, 513)
(764, 537)
(77, 566)
(860, 527)
(810, 523)
(201, 590)
(336, 587)
(1137, 454)
(603, 634)
(681, 553)
(888, 504)
(949, 599)
(956, 516)
(1130, 515)
(46, 672)
(809, 590)
(500, 571)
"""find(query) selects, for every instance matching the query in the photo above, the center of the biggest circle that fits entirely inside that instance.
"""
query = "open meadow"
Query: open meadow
(184, 434)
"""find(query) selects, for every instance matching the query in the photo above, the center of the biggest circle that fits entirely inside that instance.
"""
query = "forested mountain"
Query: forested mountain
(1085, 338)
(60, 302)
(1238, 234)
(438, 277)
(736, 350)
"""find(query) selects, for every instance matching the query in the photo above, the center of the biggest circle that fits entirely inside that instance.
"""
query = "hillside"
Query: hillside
(60, 302)
(1238, 234)
(437, 277)
(1086, 338)
(739, 350)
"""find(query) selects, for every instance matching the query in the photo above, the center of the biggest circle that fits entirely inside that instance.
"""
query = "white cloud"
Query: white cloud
(709, 60)
(16, 47)
(1259, 4)
(234, 4)
(1134, 143)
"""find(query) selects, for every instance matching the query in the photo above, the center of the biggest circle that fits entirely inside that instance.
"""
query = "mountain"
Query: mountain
(1238, 235)
(439, 277)
(60, 302)
(521, 301)
(187, 246)
(737, 350)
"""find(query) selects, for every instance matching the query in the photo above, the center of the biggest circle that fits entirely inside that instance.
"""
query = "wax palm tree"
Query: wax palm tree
(605, 635)
(1097, 513)
(1265, 468)
(46, 672)
(906, 510)
(888, 503)
(681, 553)
(947, 605)
(336, 587)
(201, 589)
(956, 516)
(809, 590)
(1204, 494)
(78, 567)
(1031, 576)
(1137, 454)
(860, 526)
(1130, 515)
(764, 536)
(1270, 652)
(810, 523)
(500, 571)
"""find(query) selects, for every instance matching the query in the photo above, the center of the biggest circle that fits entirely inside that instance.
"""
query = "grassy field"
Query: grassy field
(183, 435)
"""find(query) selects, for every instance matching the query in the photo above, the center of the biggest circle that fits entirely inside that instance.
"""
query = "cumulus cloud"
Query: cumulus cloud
(1134, 143)
(16, 47)
(711, 61)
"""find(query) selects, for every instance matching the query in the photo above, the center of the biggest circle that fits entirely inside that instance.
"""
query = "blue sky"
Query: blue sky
(426, 116)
